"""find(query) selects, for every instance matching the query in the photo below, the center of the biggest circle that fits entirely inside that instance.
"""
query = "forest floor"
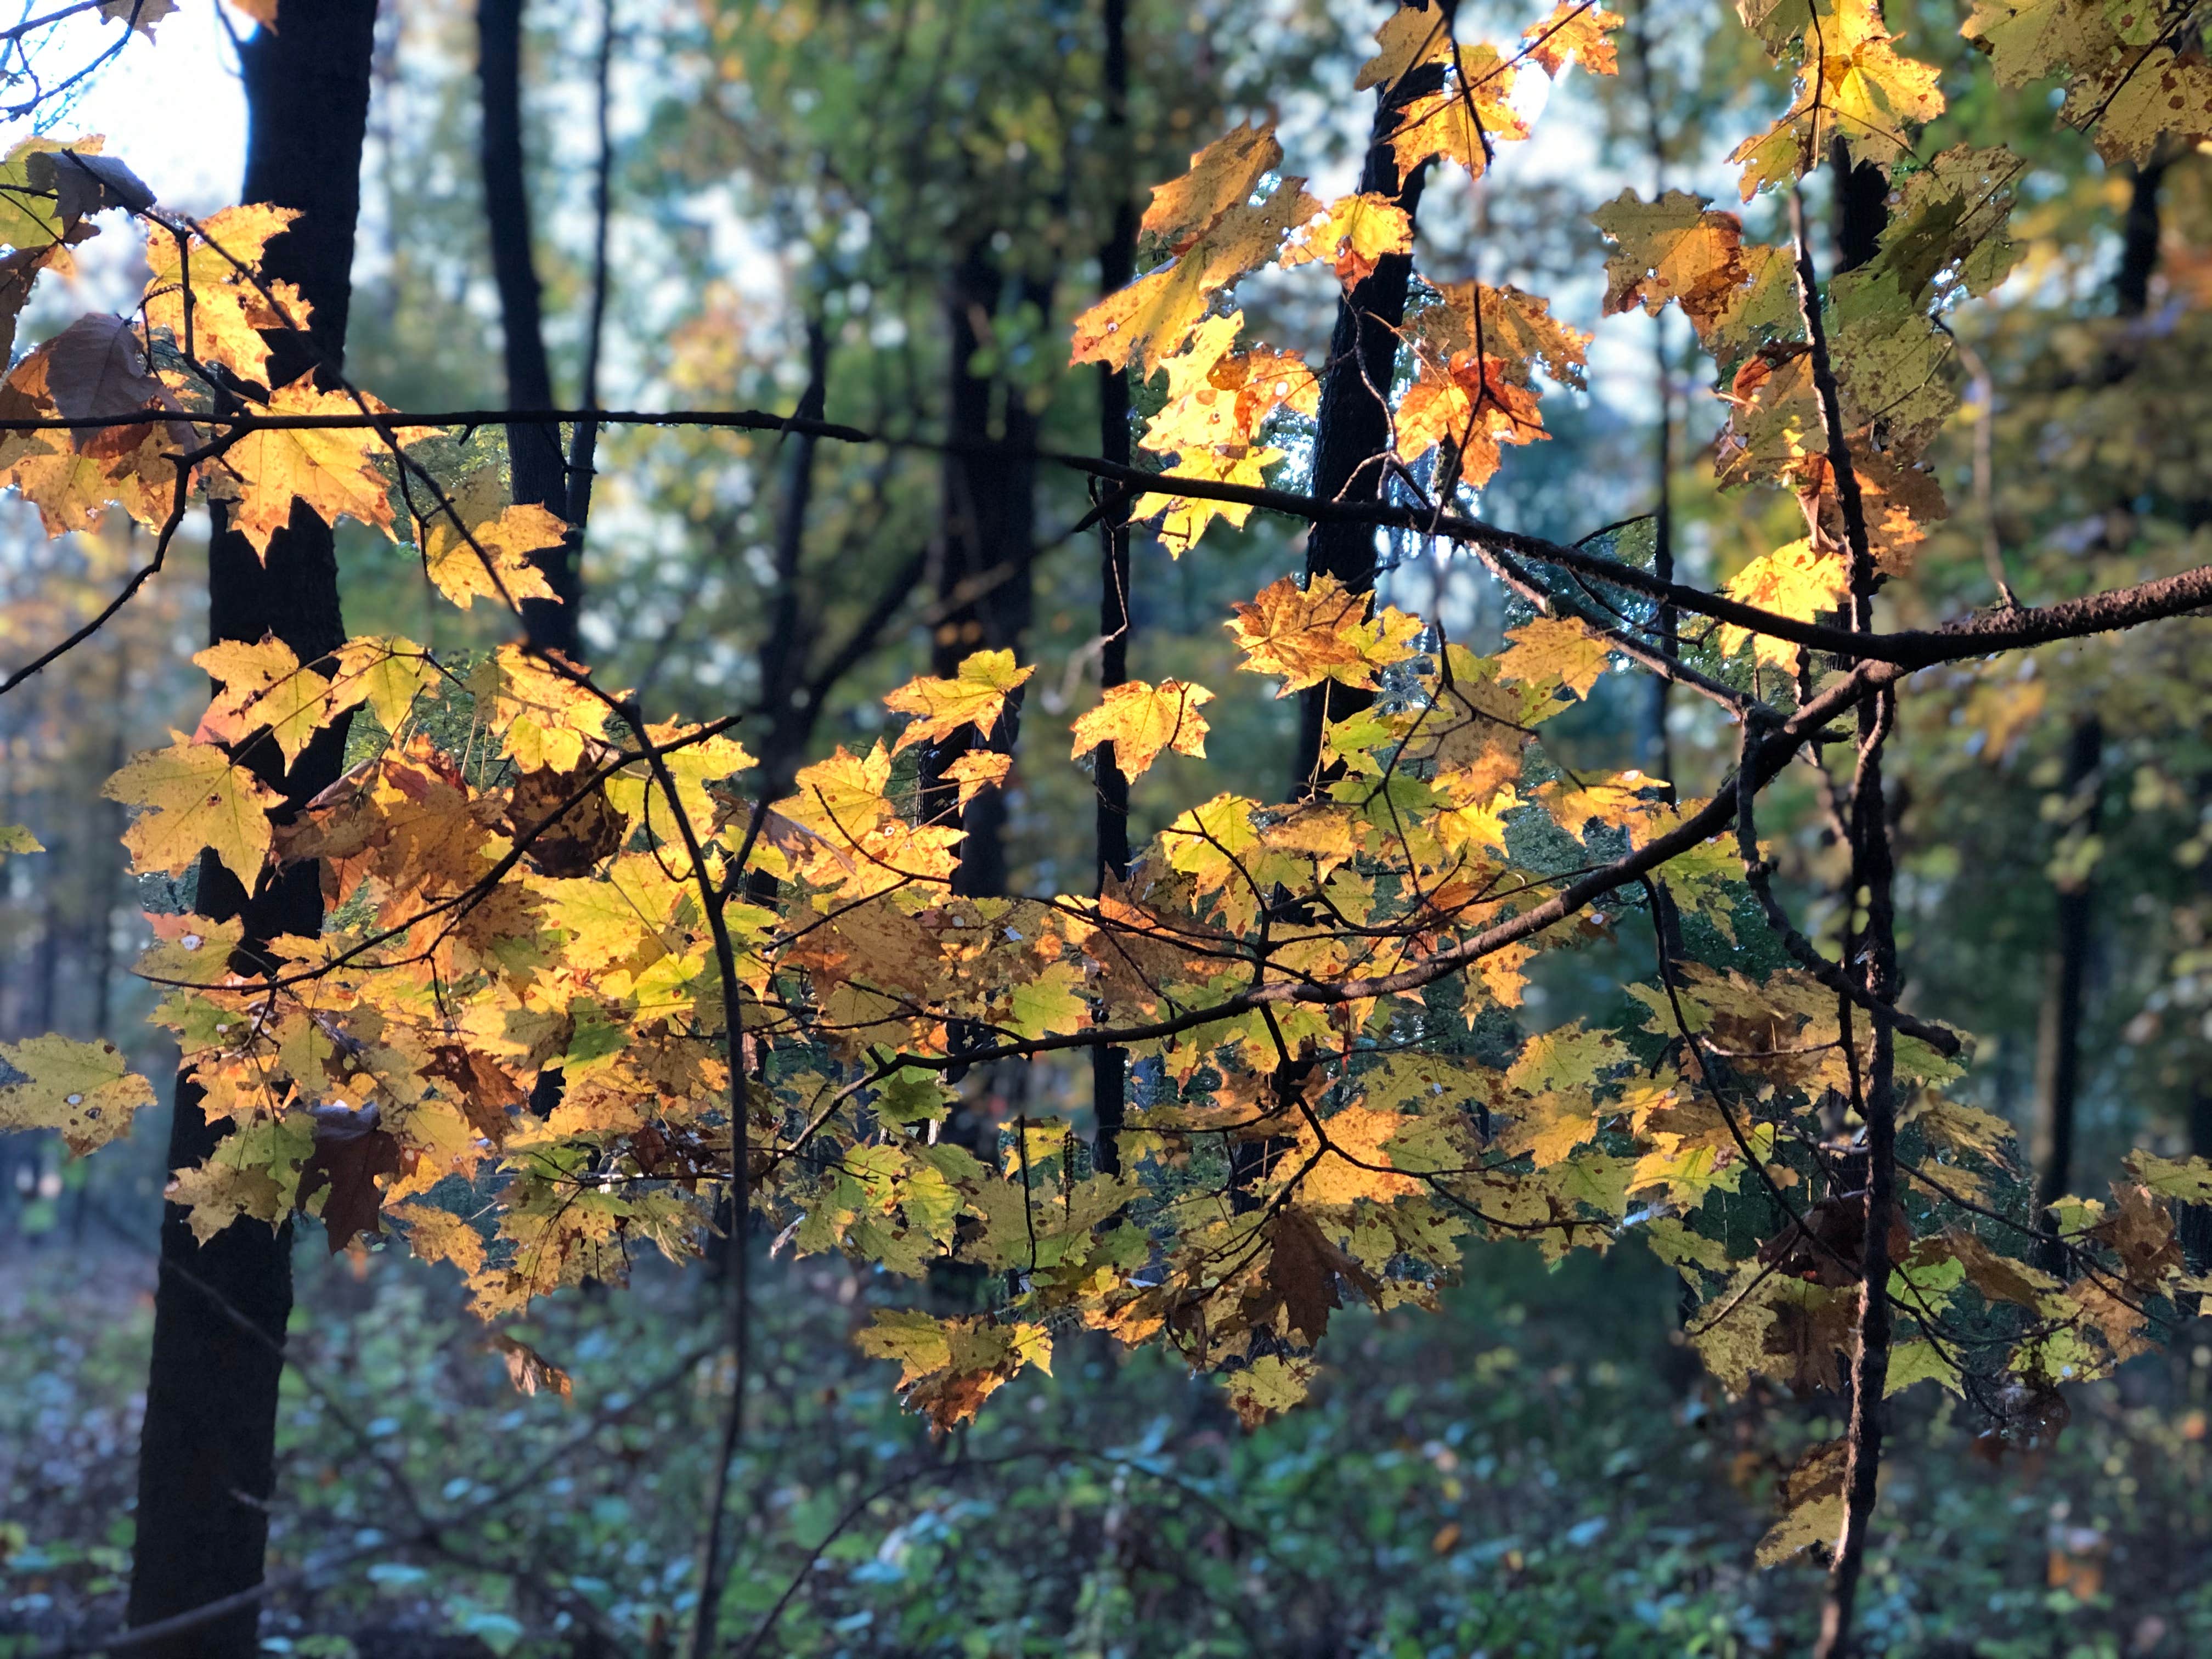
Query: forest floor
(1514, 1477)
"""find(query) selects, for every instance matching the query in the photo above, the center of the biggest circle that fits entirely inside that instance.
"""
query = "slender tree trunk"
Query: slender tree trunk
(2065, 966)
(786, 646)
(1351, 444)
(207, 1453)
(1862, 213)
(540, 475)
(1117, 263)
(1861, 207)
(989, 540)
(2139, 238)
(2065, 973)
(1352, 439)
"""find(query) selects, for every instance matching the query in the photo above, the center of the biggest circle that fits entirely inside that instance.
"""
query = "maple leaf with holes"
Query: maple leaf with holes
(196, 797)
(1140, 719)
(1222, 177)
(1224, 410)
(82, 1090)
(975, 696)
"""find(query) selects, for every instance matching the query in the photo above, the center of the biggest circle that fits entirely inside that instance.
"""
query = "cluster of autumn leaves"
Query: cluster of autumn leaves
(524, 887)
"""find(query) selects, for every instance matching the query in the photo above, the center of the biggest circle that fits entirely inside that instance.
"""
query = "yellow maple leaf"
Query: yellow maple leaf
(1139, 719)
(1465, 119)
(1320, 632)
(1575, 33)
(544, 718)
(229, 311)
(1186, 517)
(262, 684)
(1218, 402)
(1357, 231)
(1222, 176)
(1562, 652)
(842, 796)
(493, 560)
(977, 770)
(389, 674)
(82, 1089)
(71, 490)
(975, 696)
(333, 470)
(1053, 1001)
(1512, 326)
(1409, 37)
(435, 1235)
(1148, 320)
(1206, 840)
(196, 798)
(1776, 429)
(1472, 403)
(1793, 581)
(1852, 85)
(1674, 248)
(1356, 1165)
(637, 795)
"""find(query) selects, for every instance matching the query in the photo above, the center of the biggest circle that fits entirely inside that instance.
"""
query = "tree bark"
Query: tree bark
(208, 1449)
(1862, 214)
(787, 645)
(2065, 965)
(989, 542)
(2139, 238)
(539, 473)
(1351, 444)
(1117, 263)
(1351, 438)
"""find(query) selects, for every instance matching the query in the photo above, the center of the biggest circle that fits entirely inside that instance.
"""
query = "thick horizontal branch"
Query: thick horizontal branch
(1972, 636)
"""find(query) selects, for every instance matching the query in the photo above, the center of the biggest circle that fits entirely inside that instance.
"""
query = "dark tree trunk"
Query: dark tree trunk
(1117, 263)
(1351, 444)
(207, 1453)
(2065, 967)
(1352, 439)
(1861, 213)
(2139, 237)
(786, 646)
(540, 474)
(2065, 975)
(1861, 207)
(990, 541)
